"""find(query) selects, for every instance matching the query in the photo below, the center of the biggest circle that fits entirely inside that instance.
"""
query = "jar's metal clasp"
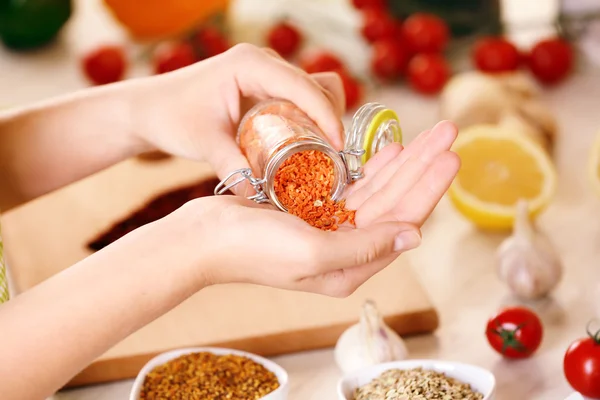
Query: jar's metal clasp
(352, 159)
(245, 174)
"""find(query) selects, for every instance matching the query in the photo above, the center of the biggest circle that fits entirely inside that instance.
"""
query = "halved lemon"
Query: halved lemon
(594, 164)
(500, 167)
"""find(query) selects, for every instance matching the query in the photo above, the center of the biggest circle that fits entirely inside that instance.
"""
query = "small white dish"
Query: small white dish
(480, 379)
(281, 393)
(575, 396)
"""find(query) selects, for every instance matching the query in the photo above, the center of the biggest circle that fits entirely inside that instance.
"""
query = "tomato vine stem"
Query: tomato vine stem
(509, 337)
(595, 336)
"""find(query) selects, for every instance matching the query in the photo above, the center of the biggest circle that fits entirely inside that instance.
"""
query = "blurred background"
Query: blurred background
(527, 68)
(55, 36)
(530, 67)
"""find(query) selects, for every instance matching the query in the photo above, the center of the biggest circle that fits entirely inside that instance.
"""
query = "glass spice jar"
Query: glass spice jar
(275, 129)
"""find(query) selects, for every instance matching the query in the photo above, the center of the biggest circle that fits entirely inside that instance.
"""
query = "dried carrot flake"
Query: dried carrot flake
(303, 185)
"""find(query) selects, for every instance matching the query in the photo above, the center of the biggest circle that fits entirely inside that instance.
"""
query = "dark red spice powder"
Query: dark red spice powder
(157, 208)
(303, 185)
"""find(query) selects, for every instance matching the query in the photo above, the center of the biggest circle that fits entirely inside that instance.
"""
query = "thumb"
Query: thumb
(360, 246)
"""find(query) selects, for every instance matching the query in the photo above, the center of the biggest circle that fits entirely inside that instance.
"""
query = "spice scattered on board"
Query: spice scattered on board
(415, 384)
(303, 185)
(157, 208)
(207, 376)
(154, 155)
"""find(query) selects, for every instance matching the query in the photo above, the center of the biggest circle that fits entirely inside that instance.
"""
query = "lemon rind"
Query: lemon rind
(496, 210)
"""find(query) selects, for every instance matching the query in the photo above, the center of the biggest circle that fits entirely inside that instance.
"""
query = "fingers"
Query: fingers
(331, 85)
(351, 257)
(382, 197)
(262, 75)
(375, 183)
(375, 164)
(227, 157)
(354, 247)
(419, 203)
(330, 82)
(333, 88)
(342, 283)
(382, 159)
(272, 53)
(380, 176)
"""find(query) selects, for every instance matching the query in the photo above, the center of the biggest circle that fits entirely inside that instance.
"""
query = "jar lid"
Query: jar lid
(373, 127)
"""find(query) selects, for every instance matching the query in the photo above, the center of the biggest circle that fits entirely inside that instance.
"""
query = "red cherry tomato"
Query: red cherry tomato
(284, 39)
(353, 89)
(389, 59)
(364, 4)
(551, 60)
(321, 61)
(172, 56)
(494, 54)
(211, 41)
(105, 64)
(378, 24)
(514, 332)
(426, 33)
(581, 365)
(428, 73)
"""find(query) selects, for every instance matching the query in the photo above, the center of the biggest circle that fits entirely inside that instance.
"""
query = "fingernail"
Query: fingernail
(407, 240)
(445, 124)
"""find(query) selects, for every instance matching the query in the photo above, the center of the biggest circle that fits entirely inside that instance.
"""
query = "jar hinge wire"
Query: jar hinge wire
(246, 174)
(353, 174)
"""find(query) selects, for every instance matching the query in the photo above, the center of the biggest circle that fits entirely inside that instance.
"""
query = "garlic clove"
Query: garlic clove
(519, 85)
(515, 121)
(527, 261)
(368, 342)
(376, 336)
(540, 116)
(348, 352)
(510, 99)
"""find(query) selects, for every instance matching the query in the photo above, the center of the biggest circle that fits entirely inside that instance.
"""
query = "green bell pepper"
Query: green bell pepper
(29, 24)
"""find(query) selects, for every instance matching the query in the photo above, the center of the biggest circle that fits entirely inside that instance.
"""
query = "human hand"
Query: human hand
(232, 239)
(405, 184)
(194, 112)
(247, 242)
(400, 185)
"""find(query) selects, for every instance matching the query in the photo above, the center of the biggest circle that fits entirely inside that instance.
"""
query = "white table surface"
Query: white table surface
(455, 262)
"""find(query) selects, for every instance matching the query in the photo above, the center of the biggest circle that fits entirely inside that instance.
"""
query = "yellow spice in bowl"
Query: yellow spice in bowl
(207, 376)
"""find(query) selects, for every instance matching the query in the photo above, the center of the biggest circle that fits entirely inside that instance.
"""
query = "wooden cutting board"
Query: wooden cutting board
(49, 234)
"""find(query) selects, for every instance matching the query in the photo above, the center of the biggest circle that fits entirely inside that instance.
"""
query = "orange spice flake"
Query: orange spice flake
(303, 185)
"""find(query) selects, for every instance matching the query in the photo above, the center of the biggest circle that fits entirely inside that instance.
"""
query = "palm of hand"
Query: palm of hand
(400, 186)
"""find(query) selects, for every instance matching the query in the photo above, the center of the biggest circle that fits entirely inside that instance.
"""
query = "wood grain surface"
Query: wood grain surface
(50, 234)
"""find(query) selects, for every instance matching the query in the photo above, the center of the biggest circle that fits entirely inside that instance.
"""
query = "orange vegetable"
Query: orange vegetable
(154, 19)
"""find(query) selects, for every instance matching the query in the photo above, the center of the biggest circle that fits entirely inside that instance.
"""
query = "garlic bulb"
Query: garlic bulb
(368, 342)
(517, 122)
(539, 115)
(510, 99)
(519, 85)
(472, 98)
(527, 261)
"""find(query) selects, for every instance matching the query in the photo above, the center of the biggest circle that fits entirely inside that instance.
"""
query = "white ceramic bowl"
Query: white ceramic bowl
(575, 396)
(480, 379)
(281, 393)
